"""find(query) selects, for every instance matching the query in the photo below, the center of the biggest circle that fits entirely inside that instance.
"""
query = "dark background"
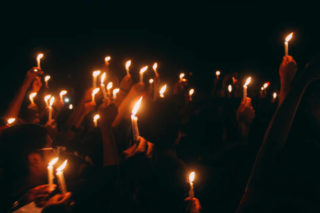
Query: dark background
(193, 37)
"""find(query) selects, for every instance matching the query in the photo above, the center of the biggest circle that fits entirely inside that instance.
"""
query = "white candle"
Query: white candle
(229, 88)
(191, 92)
(31, 98)
(95, 74)
(50, 108)
(163, 90)
(39, 57)
(102, 85)
(245, 86)
(154, 67)
(134, 120)
(46, 79)
(286, 44)
(127, 65)
(60, 176)
(46, 100)
(181, 77)
(109, 87)
(191, 179)
(50, 173)
(115, 92)
(142, 70)
(61, 94)
(94, 92)
(107, 60)
(96, 117)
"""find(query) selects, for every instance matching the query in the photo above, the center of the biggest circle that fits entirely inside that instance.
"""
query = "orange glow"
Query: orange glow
(192, 177)
(32, 96)
(154, 67)
(96, 117)
(39, 56)
(47, 78)
(229, 88)
(151, 81)
(62, 93)
(265, 85)
(163, 90)
(51, 101)
(109, 86)
(181, 76)
(248, 81)
(107, 59)
(127, 65)
(289, 37)
(11, 121)
(136, 107)
(46, 99)
(96, 73)
(53, 162)
(103, 78)
(143, 69)
(191, 92)
(95, 91)
(61, 168)
(115, 92)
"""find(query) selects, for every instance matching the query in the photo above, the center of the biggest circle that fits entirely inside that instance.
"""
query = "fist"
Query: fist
(287, 70)
(245, 112)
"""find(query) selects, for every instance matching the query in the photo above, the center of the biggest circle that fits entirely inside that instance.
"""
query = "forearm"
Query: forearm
(110, 149)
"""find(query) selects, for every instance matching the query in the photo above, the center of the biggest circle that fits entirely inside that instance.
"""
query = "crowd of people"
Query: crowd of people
(249, 155)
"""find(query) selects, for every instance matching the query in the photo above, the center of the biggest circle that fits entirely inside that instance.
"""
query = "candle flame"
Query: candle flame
(63, 165)
(127, 65)
(70, 106)
(53, 162)
(109, 86)
(136, 107)
(229, 88)
(107, 59)
(51, 101)
(103, 78)
(39, 56)
(47, 78)
(62, 93)
(32, 96)
(248, 81)
(46, 99)
(289, 37)
(155, 66)
(115, 92)
(265, 86)
(275, 95)
(163, 90)
(150, 80)
(143, 69)
(96, 73)
(96, 117)
(181, 76)
(192, 177)
(218, 73)
(11, 121)
(95, 91)
(191, 91)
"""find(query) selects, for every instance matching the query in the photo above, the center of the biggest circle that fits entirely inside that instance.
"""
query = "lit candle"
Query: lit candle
(191, 92)
(96, 117)
(151, 81)
(95, 74)
(10, 121)
(265, 85)
(286, 44)
(31, 98)
(70, 106)
(245, 86)
(142, 70)
(191, 179)
(93, 94)
(109, 87)
(154, 67)
(162, 90)
(39, 57)
(50, 108)
(218, 73)
(274, 96)
(61, 94)
(230, 88)
(115, 92)
(60, 176)
(103, 87)
(134, 120)
(181, 77)
(127, 65)
(50, 173)
(107, 60)
(46, 79)
(46, 100)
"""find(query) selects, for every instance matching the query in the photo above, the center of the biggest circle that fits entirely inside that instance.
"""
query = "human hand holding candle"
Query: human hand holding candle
(162, 91)
(286, 44)
(50, 173)
(134, 120)
(142, 70)
(39, 57)
(95, 74)
(245, 87)
(60, 176)
(127, 65)
(61, 94)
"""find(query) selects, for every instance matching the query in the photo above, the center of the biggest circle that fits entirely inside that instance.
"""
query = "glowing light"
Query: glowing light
(181, 77)
(191, 92)
(192, 177)
(274, 95)
(127, 65)
(32, 96)
(151, 81)
(46, 99)
(136, 107)
(53, 162)
(63, 165)
(103, 78)
(109, 86)
(62, 93)
(10, 121)
(39, 57)
(94, 92)
(218, 73)
(142, 70)
(229, 88)
(96, 117)
(115, 92)
(107, 59)
(96, 73)
(51, 101)
(248, 81)
(163, 90)
(289, 37)
(70, 106)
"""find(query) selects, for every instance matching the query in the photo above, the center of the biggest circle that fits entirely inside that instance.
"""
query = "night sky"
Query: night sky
(191, 37)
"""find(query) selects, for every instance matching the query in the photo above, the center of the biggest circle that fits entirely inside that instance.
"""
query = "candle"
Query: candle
(50, 108)
(31, 98)
(142, 70)
(163, 90)
(96, 117)
(103, 88)
(70, 106)
(181, 77)
(286, 44)
(127, 65)
(95, 74)
(61, 94)
(107, 60)
(229, 88)
(151, 81)
(115, 92)
(218, 73)
(93, 94)
(50, 173)
(46, 79)
(245, 86)
(60, 176)
(10, 121)
(191, 179)
(46, 100)
(134, 120)
(109, 87)
(274, 96)
(154, 67)
(191, 92)
(39, 57)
